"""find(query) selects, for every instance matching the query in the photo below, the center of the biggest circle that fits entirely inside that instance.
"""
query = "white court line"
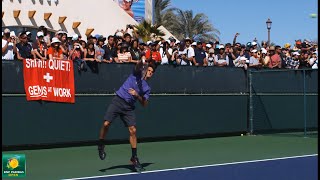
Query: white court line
(193, 167)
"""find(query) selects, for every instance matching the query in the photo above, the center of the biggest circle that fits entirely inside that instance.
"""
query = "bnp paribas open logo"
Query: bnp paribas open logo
(13, 165)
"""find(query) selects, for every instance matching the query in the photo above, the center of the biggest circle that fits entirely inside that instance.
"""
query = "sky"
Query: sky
(290, 18)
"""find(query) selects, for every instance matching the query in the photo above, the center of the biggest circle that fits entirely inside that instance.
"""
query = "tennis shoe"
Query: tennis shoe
(136, 164)
(102, 154)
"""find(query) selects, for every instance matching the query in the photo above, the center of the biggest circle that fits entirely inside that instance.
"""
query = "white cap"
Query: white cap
(149, 42)
(253, 43)
(69, 35)
(208, 45)
(6, 30)
(40, 33)
(168, 41)
(75, 37)
(242, 58)
(177, 42)
(12, 34)
(254, 50)
(295, 53)
(28, 32)
(221, 47)
(194, 44)
(55, 40)
(264, 51)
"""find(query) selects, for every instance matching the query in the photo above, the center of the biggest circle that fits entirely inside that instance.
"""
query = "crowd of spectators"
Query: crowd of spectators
(125, 46)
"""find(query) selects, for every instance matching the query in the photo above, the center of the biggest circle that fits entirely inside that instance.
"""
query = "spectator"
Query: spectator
(181, 58)
(135, 52)
(46, 35)
(77, 55)
(229, 53)
(90, 55)
(40, 47)
(200, 55)
(211, 57)
(314, 61)
(221, 58)
(293, 63)
(29, 37)
(254, 59)
(124, 56)
(153, 55)
(127, 38)
(165, 52)
(241, 62)
(54, 51)
(9, 48)
(264, 57)
(99, 49)
(24, 49)
(275, 61)
(305, 60)
(190, 51)
(110, 54)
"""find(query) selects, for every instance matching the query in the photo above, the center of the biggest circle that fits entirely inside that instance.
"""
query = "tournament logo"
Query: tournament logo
(13, 165)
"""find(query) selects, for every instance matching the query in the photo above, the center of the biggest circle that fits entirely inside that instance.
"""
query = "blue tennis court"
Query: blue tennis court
(291, 168)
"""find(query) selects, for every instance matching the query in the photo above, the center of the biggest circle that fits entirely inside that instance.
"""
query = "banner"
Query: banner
(135, 8)
(49, 80)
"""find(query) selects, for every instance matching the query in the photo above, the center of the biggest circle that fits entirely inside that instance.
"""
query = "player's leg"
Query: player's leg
(111, 114)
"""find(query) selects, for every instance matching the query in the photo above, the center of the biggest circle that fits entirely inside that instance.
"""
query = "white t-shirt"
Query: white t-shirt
(164, 58)
(8, 54)
(314, 63)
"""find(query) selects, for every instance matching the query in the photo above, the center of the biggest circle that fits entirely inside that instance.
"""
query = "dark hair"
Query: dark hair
(110, 36)
(153, 66)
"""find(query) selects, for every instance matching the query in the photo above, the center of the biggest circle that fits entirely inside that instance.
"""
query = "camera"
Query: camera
(129, 26)
(77, 47)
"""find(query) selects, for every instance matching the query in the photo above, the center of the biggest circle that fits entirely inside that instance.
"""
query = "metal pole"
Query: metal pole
(304, 103)
(250, 103)
(268, 37)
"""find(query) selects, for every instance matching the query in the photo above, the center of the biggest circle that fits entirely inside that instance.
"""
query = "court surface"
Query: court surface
(238, 157)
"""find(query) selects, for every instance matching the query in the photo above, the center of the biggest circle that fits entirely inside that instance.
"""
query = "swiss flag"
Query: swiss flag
(49, 80)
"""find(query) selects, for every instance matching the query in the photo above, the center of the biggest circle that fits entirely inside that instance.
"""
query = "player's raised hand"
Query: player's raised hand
(133, 92)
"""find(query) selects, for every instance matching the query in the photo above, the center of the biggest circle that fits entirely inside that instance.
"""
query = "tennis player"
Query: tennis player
(133, 89)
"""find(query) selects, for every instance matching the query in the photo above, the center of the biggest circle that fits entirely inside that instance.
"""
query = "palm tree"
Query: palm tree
(185, 24)
(147, 31)
(160, 6)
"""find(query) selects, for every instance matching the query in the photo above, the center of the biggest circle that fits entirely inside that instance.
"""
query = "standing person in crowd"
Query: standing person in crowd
(124, 56)
(64, 45)
(46, 35)
(29, 37)
(314, 61)
(110, 50)
(275, 61)
(221, 59)
(241, 61)
(264, 57)
(54, 51)
(190, 51)
(135, 52)
(135, 88)
(90, 55)
(9, 48)
(230, 54)
(254, 59)
(293, 62)
(24, 49)
(200, 55)
(127, 38)
(77, 55)
(153, 55)
(304, 60)
(99, 49)
(211, 57)
(165, 52)
(40, 47)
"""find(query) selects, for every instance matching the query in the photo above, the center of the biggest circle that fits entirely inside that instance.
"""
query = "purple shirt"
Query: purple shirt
(137, 83)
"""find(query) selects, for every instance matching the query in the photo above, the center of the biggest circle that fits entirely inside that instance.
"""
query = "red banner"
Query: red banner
(49, 80)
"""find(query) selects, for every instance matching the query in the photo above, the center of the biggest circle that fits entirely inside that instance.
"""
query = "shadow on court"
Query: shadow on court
(127, 166)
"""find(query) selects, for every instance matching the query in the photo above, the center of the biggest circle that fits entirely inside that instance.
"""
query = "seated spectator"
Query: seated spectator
(54, 51)
(40, 47)
(221, 59)
(24, 49)
(9, 48)
(124, 56)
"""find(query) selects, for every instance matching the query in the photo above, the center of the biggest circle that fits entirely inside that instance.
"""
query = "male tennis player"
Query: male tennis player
(133, 89)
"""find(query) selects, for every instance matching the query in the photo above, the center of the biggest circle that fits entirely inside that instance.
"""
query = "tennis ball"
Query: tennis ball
(241, 134)
(313, 15)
